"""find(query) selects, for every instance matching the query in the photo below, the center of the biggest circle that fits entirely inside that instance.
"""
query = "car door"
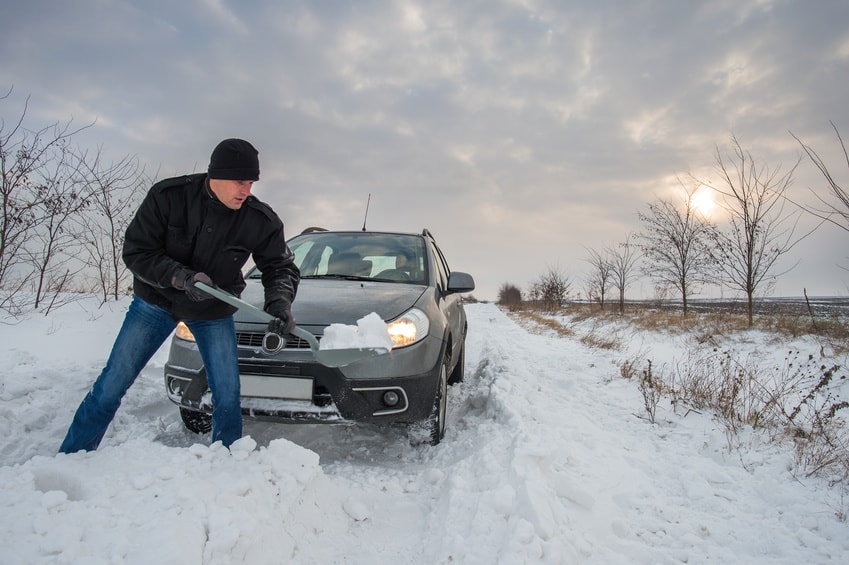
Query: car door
(450, 303)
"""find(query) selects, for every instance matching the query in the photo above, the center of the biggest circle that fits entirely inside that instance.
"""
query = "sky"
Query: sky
(576, 475)
(521, 133)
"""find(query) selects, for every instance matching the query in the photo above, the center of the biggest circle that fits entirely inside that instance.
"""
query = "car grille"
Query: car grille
(254, 339)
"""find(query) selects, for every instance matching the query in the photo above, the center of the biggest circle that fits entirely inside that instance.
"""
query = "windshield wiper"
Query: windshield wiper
(339, 277)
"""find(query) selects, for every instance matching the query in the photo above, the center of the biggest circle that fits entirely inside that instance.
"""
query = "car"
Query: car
(345, 276)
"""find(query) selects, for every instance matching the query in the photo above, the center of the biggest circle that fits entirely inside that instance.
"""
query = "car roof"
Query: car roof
(314, 229)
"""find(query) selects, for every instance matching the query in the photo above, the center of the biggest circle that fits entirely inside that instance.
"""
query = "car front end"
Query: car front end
(289, 386)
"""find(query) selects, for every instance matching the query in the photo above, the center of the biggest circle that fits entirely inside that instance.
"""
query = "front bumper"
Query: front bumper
(290, 387)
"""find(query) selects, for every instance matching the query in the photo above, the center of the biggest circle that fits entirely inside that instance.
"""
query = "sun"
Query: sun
(702, 202)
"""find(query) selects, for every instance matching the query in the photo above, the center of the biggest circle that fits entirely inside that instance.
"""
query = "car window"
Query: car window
(441, 267)
(363, 256)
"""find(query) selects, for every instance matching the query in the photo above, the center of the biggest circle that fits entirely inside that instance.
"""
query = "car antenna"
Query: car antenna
(366, 216)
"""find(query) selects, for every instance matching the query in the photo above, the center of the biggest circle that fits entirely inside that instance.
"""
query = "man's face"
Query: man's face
(231, 193)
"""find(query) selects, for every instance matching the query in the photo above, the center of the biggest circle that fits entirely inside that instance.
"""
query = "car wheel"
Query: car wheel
(459, 372)
(197, 422)
(436, 420)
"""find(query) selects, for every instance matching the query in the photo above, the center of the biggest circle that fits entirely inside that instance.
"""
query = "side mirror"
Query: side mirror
(460, 282)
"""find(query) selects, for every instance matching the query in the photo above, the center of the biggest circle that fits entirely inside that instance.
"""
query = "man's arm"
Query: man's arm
(280, 278)
(144, 245)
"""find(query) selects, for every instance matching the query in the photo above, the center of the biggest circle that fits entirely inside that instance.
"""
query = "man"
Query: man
(199, 227)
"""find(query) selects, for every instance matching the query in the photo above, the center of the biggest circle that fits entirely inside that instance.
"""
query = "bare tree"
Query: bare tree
(675, 240)
(624, 260)
(601, 275)
(760, 232)
(23, 152)
(836, 212)
(53, 243)
(64, 213)
(550, 289)
(114, 191)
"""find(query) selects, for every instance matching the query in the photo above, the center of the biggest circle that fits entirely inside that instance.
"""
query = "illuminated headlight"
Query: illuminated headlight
(183, 332)
(409, 328)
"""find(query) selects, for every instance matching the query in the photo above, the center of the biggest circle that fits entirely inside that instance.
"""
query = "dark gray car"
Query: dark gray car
(405, 279)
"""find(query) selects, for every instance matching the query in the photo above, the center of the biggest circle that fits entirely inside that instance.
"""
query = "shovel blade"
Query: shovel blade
(327, 357)
(342, 357)
(336, 357)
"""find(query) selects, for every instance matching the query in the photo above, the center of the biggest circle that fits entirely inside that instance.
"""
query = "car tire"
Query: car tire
(459, 372)
(436, 421)
(197, 422)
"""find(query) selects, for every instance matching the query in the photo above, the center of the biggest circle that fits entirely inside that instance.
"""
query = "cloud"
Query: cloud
(519, 132)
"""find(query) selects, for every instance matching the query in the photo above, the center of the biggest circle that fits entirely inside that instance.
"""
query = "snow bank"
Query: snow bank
(141, 502)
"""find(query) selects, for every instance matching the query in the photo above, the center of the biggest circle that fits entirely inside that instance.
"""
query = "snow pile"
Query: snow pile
(370, 332)
(148, 503)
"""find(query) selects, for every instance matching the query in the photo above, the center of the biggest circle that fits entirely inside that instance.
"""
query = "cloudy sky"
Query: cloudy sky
(520, 132)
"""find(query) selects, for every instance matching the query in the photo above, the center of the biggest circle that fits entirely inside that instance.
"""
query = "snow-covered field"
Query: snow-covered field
(547, 459)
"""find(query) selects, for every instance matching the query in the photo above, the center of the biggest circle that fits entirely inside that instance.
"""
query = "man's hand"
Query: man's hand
(283, 322)
(185, 280)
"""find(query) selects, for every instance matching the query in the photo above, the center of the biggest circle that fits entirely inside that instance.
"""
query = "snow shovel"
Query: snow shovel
(272, 343)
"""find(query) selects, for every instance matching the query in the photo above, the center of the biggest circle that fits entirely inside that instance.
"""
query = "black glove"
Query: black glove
(284, 321)
(185, 280)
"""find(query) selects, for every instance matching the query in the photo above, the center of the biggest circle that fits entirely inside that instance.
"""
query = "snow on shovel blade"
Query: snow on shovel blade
(327, 357)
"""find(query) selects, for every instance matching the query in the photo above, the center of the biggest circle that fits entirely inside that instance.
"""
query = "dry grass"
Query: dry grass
(542, 322)
(832, 331)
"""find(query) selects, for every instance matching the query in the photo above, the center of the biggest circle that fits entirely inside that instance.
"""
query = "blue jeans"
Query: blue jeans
(144, 330)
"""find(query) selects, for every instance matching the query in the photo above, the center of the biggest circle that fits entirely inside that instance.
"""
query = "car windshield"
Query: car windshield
(361, 256)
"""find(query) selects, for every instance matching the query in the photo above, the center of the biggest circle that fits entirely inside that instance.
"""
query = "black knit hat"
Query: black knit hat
(234, 159)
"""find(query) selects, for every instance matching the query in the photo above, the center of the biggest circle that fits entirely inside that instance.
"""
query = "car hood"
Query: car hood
(321, 302)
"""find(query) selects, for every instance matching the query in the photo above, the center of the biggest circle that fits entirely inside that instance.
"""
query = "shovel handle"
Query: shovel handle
(255, 312)
(307, 336)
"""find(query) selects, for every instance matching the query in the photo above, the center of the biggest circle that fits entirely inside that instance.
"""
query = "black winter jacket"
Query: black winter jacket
(181, 225)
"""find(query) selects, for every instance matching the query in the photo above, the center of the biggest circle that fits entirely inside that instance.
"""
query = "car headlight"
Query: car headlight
(183, 332)
(409, 328)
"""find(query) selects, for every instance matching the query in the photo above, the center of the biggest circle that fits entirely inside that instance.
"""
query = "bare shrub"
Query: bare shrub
(815, 422)
(628, 368)
(825, 452)
(650, 389)
(795, 399)
(550, 290)
(510, 295)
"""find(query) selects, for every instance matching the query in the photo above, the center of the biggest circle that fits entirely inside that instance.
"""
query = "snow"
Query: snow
(548, 458)
(370, 332)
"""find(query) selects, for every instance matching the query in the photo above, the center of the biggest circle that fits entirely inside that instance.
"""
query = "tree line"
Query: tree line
(680, 249)
(65, 210)
(63, 215)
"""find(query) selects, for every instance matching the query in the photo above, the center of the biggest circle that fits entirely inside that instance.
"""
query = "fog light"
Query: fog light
(176, 385)
(391, 398)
